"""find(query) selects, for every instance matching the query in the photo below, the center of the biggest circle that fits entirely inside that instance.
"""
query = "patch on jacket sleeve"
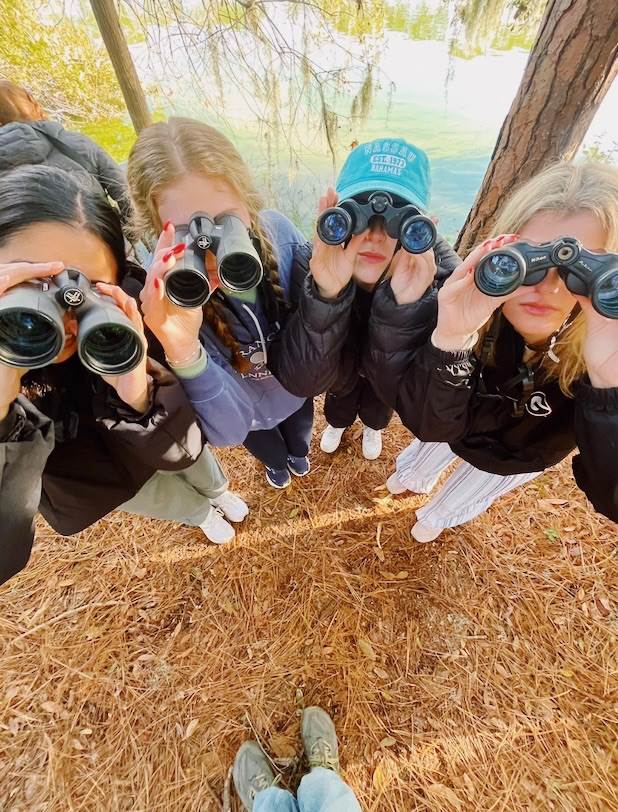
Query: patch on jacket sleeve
(457, 374)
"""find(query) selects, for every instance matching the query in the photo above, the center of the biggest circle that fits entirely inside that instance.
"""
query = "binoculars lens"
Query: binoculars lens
(187, 288)
(334, 226)
(417, 235)
(498, 274)
(240, 272)
(111, 349)
(28, 338)
(606, 296)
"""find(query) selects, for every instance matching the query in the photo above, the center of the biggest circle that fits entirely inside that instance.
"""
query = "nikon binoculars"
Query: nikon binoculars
(415, 232)
(238, 264)
(585, 273)
(32, 329)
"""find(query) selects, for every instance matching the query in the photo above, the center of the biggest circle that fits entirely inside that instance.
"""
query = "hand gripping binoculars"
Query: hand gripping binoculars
(238, 264)
(415, 232)
(585, 273)
(32, 330)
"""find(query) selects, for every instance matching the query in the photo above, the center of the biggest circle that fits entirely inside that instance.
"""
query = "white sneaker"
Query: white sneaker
(423, 532)
(331, 439)
(234, 508)
(216, 529)
(394, 485)
(372, 443)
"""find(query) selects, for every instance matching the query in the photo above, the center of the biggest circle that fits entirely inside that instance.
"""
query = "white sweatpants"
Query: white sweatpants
(467, 492)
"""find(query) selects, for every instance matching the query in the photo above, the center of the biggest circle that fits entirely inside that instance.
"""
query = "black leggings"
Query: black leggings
(291, 437)
(341, 410)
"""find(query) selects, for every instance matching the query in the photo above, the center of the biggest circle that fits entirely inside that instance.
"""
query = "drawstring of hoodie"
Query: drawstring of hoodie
(259, 329)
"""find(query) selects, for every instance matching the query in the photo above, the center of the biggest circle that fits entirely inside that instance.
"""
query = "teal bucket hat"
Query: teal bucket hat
(389, 165)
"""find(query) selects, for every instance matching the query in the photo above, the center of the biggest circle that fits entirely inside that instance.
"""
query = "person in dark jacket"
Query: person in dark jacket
(27, 137)
(176, 169)
(507, 387)
(72, 444)
(325, 337)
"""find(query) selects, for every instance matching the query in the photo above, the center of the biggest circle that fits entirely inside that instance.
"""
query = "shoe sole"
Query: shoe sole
(235, 519)
(219, 543)
(278, 487)
(372, 456)
(299, 475)
(330, 450)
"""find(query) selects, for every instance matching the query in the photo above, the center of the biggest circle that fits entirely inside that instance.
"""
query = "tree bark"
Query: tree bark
(570, 69)
(118, 50)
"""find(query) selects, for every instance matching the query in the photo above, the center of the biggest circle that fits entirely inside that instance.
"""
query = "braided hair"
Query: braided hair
(162, 154)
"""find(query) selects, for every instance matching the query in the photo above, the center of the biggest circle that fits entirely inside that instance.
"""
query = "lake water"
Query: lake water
(430, 81)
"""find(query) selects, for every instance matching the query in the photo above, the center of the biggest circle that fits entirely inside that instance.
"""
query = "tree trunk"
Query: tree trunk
(118, 50)
(570, 69)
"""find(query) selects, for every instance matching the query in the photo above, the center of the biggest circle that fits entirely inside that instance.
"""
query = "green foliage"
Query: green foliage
(61, 60)
(594, 152)
(419, 23)
(500, 24)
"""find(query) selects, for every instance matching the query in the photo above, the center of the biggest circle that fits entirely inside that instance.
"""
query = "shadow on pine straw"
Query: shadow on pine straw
(474, 673)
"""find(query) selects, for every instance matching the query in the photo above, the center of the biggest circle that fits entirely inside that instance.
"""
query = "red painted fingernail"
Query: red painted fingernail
(178, 249)
(167, 224)
(157, 284)
(168, 256)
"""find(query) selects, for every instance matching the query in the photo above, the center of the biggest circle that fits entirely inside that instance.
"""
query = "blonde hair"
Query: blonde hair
(16, 104)
(166, 151)
(564, 188)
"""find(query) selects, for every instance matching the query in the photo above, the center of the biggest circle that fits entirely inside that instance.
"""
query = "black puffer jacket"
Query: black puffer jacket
(321, 348)
(452, 397)
(47, 142)
(74, 451)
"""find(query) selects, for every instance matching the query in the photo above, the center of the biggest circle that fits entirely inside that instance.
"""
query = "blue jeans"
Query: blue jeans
(320, 790)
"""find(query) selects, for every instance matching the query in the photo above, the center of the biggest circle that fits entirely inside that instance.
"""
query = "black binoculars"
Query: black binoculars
(238, 264)
(32, 330)
(415, 232)
(585, 273)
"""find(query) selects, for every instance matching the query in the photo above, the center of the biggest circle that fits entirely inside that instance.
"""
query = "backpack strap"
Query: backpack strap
(69, 152)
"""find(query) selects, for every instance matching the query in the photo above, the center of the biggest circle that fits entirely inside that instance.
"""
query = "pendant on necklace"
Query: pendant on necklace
(550, 351)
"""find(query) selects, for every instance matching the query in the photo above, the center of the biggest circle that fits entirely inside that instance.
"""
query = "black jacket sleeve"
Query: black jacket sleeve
(430, 389)
(397, 332)
(165, 438)
(435, 394)
(305, 357)
(596, 466)
(26, 441)
(446, 260)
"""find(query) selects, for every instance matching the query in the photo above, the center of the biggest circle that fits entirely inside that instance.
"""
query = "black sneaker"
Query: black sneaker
(299, 466)
(319, 739)
(252, 773)
(278, 477)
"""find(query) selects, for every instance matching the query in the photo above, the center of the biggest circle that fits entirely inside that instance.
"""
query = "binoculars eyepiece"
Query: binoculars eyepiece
(238, 264)
(584, 273)
(32, 330)
(415, 232)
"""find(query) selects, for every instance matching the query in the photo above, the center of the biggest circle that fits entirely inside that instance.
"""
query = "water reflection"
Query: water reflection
(295, 91)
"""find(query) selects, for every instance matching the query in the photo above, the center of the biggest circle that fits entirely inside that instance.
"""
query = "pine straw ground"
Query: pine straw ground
(475, 673)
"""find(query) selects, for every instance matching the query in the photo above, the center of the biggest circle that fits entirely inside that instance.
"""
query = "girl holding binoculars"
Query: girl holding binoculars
(508, 386)
(222, 351)
(382, 189)
(99, 425)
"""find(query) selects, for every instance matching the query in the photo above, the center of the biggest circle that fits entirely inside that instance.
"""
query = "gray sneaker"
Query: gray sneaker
(319, 739)
(252, 773)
